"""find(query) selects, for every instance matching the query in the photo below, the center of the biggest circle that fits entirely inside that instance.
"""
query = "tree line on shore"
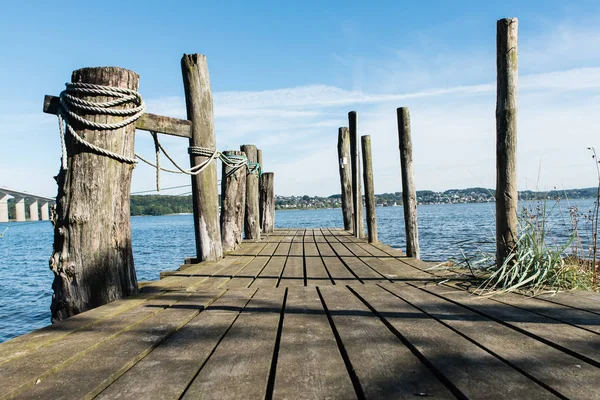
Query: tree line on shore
(166, 204)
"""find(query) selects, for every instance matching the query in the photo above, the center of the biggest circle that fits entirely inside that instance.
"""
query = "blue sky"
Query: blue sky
(285, 74)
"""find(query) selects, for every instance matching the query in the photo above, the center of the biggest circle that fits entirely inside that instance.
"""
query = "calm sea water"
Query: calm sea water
(161, 243)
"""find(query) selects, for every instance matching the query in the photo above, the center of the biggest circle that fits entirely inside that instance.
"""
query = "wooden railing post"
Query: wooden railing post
(92, 259)
(233, 203)
(358, 223)
(369, 189)
(267, 202)
(205, 189)
(345, 176)
(409, 192)
(506, 138)
(252, 213)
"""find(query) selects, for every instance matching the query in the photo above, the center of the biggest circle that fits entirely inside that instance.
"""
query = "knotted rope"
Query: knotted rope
(69, 102)
(66, 113)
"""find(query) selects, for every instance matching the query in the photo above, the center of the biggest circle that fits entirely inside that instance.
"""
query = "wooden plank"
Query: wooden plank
(240, 366)
(473, 371)
(325, 250)
(579, 341)
(574, 300)
(316, 273)
(357, 250)
(93, 365)
(269, 276)
(396, 270)
(255, 250)
(248, 248)
(195, 275)
(383, 365)
(222, 276)
(318, 370)
(283, 249)
(341, 250)
(553, 368)
(362, 271)
(268, 249)
(147, 122)
(25, 344)
(296, 250)
(170, 368)
(374, 251)
(564, 314)
(339, 273)
(272, 238)
(246, 276)
(293, 272)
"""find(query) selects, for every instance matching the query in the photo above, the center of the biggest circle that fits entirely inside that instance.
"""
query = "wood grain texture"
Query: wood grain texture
(369, 189)
(267, 202)
(233, 203)
(147, 122)
(259, 160)
(358, 222)
(252, 214)
(506, 137)
(92, 261)
(409, 191)
(345, 167)
(199, 105)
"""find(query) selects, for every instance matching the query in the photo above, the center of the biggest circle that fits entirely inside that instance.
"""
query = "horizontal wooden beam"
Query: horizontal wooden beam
(147, 122)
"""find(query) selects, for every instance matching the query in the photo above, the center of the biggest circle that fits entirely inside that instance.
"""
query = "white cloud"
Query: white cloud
(452, 102)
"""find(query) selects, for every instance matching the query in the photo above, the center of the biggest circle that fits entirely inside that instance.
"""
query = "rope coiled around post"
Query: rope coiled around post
(66, 113)
(69, 103)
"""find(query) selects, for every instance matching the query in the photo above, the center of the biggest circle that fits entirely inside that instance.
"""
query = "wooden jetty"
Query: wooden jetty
(313, 314)
(286, 313)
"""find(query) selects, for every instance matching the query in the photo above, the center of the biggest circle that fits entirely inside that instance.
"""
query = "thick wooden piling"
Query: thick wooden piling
(92, 260)
(259, 160)
(252, 213)
(506, 137)
(409, 192)
(345, 176)
(267, 202)
(369, 189)
(205, 189)
(358, 224)
(233, 203)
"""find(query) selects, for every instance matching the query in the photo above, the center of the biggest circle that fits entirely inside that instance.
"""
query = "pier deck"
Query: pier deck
(313, 313)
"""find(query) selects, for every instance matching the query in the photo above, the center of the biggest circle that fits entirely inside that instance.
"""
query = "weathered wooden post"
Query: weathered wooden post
(358, 222)
(409, 192)
(205, 189)
(267, 202)
(92, 259)
(345, 176)
(369, 189)
(506, 138)
(252, 213)
(259, 160)
(233, 202)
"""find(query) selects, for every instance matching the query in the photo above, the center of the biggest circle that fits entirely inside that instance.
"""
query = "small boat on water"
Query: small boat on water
(2, 234)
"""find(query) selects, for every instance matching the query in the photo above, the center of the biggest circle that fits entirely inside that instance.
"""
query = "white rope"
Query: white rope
(66, 113)
(68, 102)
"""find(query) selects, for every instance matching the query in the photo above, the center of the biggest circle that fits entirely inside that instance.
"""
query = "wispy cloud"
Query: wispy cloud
(452, 100)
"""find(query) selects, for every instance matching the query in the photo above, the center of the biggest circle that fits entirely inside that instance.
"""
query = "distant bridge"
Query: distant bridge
(36, 204)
